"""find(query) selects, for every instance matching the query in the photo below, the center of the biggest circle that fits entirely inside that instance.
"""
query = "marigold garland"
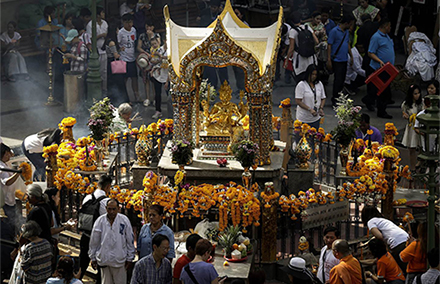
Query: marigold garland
(26, 173)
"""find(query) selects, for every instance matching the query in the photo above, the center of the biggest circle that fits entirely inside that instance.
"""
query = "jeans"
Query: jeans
(38, 161)
(371, 98)
(158, 93)
(340, 70)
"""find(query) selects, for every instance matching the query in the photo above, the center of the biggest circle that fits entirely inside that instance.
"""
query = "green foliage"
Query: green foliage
(245, 152)
(348, 120)
(101, 118)
(182, 152)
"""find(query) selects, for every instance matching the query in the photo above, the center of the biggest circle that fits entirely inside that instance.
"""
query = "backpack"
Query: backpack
(88, 213)
(306, 44)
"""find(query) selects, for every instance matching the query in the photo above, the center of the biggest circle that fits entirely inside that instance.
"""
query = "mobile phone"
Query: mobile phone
(223, 278)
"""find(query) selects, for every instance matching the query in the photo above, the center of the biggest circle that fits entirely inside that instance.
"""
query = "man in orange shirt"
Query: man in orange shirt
(191, 242)
(349, 270)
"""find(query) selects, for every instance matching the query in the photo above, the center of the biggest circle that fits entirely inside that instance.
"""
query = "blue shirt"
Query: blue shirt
(145, 271)
(145, 241)
(203, 272)
(329, 26)
(375, 137)
(41, 23)
(335, 38)
(381, 45)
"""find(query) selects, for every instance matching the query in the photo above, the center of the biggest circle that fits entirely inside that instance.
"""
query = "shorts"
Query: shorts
(131, 70)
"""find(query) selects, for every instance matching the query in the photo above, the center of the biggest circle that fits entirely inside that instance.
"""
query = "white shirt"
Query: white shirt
(356, 69)
(6, 39)
(417, 124)
(124, 9)
(330, 262)
(86, 38)
(304, 91)
(303, 62)
(112, 244)
(34, 144)
(8, 191)
(286, 37)
(103, 203)
(100, 29)
(127, 39)
(392, 234)
(159, 73)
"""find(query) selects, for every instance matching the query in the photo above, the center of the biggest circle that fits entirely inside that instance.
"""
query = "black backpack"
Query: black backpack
(88, 214)
(306, 44)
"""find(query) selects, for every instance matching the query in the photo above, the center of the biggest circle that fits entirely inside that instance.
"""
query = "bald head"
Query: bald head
(340, 248)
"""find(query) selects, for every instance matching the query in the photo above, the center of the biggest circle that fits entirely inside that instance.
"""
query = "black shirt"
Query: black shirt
(42, 214)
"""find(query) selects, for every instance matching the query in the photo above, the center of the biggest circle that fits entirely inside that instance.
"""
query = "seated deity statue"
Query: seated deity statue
(225, 114)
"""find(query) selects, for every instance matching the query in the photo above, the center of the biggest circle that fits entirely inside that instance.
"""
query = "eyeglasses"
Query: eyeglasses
(165, 249)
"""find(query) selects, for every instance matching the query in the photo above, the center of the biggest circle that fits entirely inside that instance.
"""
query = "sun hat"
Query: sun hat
(71, 35)
(297, 268)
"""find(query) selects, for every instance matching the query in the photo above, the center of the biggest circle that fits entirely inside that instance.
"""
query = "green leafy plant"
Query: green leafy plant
(182, 152)
(228, 238)
(245, 152)
(101, 118)
(348, 120)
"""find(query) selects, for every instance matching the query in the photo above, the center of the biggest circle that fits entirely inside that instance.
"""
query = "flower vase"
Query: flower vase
(105, 144)
(303, 153)
(99, 156)
(246, 178)
(68, 134)
(143, 150)
(343, 156)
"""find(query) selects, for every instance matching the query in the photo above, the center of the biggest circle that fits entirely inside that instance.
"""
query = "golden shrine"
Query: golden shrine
(227, 41)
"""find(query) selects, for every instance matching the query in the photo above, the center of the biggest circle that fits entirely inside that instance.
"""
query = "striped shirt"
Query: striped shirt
(79, 64)
(145, 271)
(36, 262)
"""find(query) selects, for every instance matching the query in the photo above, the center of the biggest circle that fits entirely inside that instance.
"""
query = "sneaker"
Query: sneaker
(146, 102)
(157, 115)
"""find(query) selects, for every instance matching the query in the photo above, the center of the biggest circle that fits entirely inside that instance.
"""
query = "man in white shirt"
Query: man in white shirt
(104, 186)
(327, 260)
(355, 76)
(112, 245)
(129, 7)
(101, 34)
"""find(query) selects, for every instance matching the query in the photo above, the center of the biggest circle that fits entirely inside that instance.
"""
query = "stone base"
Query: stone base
(299, 179)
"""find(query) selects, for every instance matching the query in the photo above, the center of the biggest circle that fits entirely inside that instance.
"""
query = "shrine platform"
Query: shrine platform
(208, 171)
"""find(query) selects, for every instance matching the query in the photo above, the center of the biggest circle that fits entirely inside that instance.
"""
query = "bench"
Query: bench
(27, 46)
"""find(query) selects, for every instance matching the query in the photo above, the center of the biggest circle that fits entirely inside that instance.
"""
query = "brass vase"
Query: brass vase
(343, 156)
(246, 177)
(303, 153)
(143, 150)
(99, 156)
(68, 134)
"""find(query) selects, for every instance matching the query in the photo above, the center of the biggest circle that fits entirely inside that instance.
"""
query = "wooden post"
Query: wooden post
(387, 203)
(286, 124)
(269, 229)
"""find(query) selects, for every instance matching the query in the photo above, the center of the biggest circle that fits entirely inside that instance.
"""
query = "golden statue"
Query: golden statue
(224, 115)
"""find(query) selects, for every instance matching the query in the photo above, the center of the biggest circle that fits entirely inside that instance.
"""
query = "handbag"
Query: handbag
(289, 65)
(119, 67)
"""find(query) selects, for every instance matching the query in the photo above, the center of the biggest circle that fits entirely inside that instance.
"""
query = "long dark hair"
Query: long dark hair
(309, 71)
(65, 269)
(370, 212)
(436, 85)
(409, 100)
(53, 135)
(51, 192)
(377, 247)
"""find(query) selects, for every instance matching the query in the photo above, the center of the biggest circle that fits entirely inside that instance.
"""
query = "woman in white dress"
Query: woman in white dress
(411, 106)
(14, 62)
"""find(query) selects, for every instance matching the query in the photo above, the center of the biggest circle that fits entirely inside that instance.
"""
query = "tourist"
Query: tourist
(48, 13)
(321, 49)
(66, 27)
(417, 126)
(384, 229)
(415, 254)
(349, 270)
(129, 7)
(199, 269)
(101, 34)
(355, 74)
(186, 258)
(141, 17)
(337, 54)
(100, 194)
(299, 59)
(122, 118)
(14, 63)
(41, 211)
(155, 268)
(364, 34)
(328, 23)
(144, 46)
(79, 25)
(209, 14)
(159, 72)
(126, 41)
(112, 245)
(365, 127)
(53, 195)
(116, 90)
(64, 272)
(8, 186)
(32, 148)
(305, 8)
(433, 88)
(381, 51)
(310, 98)
(432, 276)
(297, 271)
(37, 255)
(149, 230)
(327, 260)
(78, 52)
(411, 106)
(364, 8)
(86, 16)
(282, 52)
(387, 269)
